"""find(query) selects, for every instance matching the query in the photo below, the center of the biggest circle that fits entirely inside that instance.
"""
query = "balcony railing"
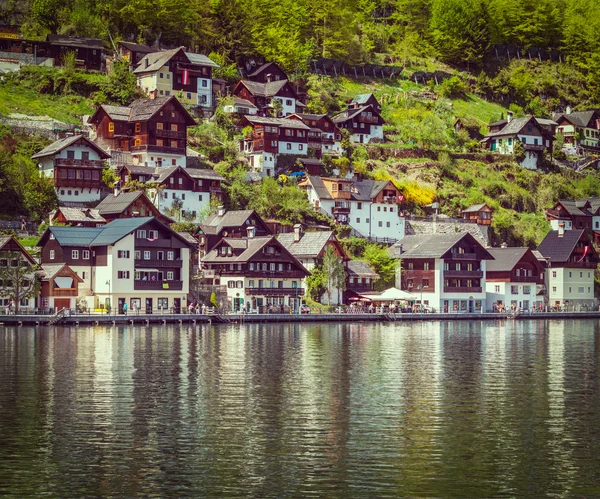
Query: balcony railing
(170, 134)
(462, 289)
(163, 149)
(64, 292)
(79, 182)
(463, 273)
(368, 119)
(159, 263)
(342, 210)
(82, 163)
(524, 278)
(462, 256)
(158, 285)
(275, 291)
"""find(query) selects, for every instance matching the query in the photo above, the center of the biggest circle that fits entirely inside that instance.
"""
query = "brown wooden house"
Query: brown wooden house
(59, 287)
(481, 214)
(134, 52)
(262, 95)
(266, 73)
(129, 205)
(79, 217)
(153, 130)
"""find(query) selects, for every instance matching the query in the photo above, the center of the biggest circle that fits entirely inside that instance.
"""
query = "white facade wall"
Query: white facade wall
(240, 292)
(297, 148)
(595, 224)
(159, 159)
(205, 92)
(386, 223)
(288, 105)
(568, 224)
(502, 293)
(571, 284)
(263, 162)
(192, 201)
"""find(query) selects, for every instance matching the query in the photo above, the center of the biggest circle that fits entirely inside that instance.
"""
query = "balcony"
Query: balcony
(524, 278)
(170, 134)
(81, 163)
(461, 289)
(390, 199)
(275, 291)
(368, 119)
(159, 263)
(466, 274)
(341, 210)
(157, 285)
(79, 182)
(161, 149)
(64, 292)
(462, 256)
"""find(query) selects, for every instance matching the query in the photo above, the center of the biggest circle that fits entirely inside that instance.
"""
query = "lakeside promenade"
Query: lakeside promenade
(122, 319)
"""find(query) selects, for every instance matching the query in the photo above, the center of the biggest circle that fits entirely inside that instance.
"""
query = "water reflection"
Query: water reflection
(347, 410)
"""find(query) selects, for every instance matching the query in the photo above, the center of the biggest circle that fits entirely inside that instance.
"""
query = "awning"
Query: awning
(391, 294)
(147, 270)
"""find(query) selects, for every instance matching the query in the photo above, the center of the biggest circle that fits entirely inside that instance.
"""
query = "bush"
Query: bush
(453, 88)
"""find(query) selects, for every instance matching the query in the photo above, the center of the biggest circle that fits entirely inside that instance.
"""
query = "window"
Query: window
(159, 126)
(170, 275)
(138, 127)
(526, 290)
(425, 283)
(288, 146)
(379, 208)
(85, 254)
(554, 274)
(75, 254)
(554, 289)
(359, 206)
(387, 224)
(251, 266)
(496, 289)
(204, 83)
(182, 197)
(170, 255)
(514, 290)
(123, 254)
(300, 146)
(52, 254)
(152, 234)
(580, 290)
(111, 127)
(159, 142)
(426, 266)
(141, 234)
(570, 289)
(146, 255)
(410, 266)
(358, 220)
(174, 144)
(137, 254)
(380, 224)
(161, 75)
(288, 102)
(137, 142)
(580, 275)
(123, 274)
(251, 283)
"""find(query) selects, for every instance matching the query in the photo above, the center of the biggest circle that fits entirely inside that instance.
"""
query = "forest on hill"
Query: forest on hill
(291, 32)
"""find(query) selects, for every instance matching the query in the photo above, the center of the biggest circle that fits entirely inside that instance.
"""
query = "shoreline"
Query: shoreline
(76, 320)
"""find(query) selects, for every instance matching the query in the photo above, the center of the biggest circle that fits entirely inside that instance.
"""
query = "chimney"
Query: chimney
(399, 249)
(147, 61)
(251, 230)
(297, 232)
(509, 116)
(569, 110)
(117, 188)
(561, 229)
(504, 245)
(269, 78)
(221, 210)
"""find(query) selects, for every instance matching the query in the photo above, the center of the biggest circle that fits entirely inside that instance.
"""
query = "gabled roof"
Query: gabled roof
(4, 240)
(204, 174)
(114, 205)
(559, 249)
(349, 114)
(59, 145)
(362, 98)
(142, 110)
(261, 68)
(48, 271)
(319, 187)
(514, 126)
(571, 208)
(214, 223)
(365, 190)
(358, 268)
(475, 207)
(311, 244)
(578, 118)
(237, 101)
(138, 47)
(433, 245)
(80, 214)
(201, 59)
(189, 238)
(304, 116)
(282, 122)
(505, 259)
(264, 89)
(156, 60)
(106, 235)
(76, 41)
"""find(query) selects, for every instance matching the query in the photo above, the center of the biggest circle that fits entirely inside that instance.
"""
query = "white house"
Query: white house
(75, 164)
(445, 271)
(135, 261)
(364, 123)
(512, 279)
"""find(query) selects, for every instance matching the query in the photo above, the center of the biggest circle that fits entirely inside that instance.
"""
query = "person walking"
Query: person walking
(125, 308)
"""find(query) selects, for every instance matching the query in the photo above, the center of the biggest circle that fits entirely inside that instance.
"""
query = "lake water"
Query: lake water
(461, 409)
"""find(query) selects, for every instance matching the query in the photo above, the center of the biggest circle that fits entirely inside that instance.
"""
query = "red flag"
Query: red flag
(186, 77)
(400, 197)
(584, 253)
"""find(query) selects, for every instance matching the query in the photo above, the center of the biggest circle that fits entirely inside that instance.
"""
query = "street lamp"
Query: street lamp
(109, 297)
(420, 288)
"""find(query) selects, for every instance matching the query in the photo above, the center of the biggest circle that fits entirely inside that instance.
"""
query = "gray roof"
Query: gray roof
(304, 116)
(431, 245)
(559, 249)
(579, 118)
(311, 244)
(283, 122)
(348, 114)
(204, 173)
(514, 126)
(141, 109)
(358, 268)
(215, 223)
(474, 208)
(49, 271)
(261, 68)
(505, 259)
(362, 98)
(365, 190)
(250, 247)
(138, 47)
(61, 144)
(76, 41)
(81, 214)
(201, 59)
(156, 60)
(188, 237)
(237, 101)
(264, 89)
(571, 208)
(319, 187)
(117, 113)
(112, 205)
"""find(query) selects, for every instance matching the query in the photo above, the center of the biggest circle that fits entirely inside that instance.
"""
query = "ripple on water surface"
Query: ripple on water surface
(458, 409)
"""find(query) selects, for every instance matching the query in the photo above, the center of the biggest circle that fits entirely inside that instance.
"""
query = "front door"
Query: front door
(121, 302)
(60, 303)
(176, 305)
(148, 305)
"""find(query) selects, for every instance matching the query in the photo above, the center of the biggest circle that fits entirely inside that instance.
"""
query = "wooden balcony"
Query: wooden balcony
(170, 134)
(159, 263)
(464, 274)
(160, 149)
(462, 289)
(275, 291)
(341, 210)
(522, 278)
(79, 182)
(368, 119)
(64, 292)
(462, 256)
(80, 163)
(139, 285)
